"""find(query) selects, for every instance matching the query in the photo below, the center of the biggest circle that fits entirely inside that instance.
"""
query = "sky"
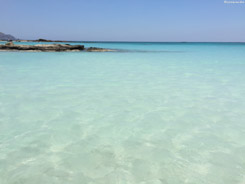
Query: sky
(124, 20)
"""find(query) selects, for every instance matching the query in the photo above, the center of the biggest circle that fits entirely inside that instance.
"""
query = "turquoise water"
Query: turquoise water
(156, 113)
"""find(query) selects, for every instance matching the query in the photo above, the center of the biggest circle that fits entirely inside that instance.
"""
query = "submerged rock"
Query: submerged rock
(96, 49)
(9, 43)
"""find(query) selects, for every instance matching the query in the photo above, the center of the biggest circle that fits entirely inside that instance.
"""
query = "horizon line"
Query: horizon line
(131, 41)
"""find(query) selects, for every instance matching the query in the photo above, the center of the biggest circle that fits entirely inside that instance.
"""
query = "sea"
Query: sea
(146, 113)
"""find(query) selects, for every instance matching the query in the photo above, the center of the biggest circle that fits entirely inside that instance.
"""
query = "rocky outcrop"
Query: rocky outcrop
(6, 37)
(42, 47)
(10, 46)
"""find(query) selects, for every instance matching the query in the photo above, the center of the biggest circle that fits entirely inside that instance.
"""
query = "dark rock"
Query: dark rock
(43, 40)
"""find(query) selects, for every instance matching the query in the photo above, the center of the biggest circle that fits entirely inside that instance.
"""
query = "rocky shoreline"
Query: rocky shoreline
(10, 46)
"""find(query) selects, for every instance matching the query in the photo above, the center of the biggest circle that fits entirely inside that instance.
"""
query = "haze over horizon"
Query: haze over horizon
(158, 21)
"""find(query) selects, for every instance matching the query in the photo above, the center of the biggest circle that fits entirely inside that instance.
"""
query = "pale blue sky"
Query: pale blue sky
(124, 20)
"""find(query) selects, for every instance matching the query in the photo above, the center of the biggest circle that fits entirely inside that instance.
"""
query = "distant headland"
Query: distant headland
(9, 37)
(6, 37)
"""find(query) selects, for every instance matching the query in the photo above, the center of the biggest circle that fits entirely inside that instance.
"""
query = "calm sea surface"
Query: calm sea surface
(153, 113)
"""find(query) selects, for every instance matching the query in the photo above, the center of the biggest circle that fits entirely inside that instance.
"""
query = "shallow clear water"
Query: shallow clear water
(154, 114)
